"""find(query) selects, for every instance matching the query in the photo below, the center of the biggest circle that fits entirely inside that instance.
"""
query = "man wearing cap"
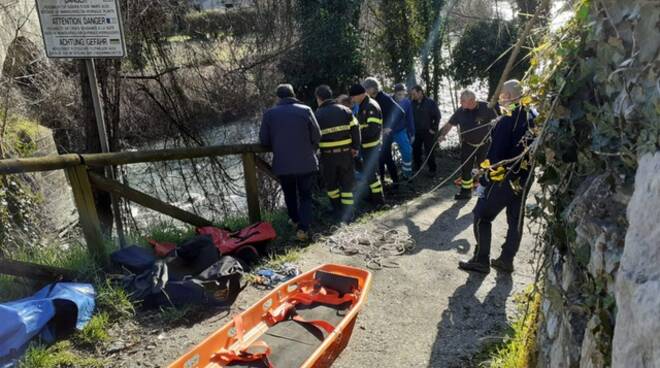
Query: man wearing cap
(393, 114)
(473, 119)
(340, 143)
(505, 182)
(370, 119)
(292, 132)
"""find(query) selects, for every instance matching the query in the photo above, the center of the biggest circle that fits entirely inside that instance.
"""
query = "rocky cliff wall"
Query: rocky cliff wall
(599, 173)
(637, 332)
(18, 18)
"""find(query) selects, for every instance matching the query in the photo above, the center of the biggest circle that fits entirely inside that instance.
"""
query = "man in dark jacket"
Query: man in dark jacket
(473, 119)
(340, 143)
(427, 120)
(393, 115)
(291, 131)
(370, 119)
(504, 182)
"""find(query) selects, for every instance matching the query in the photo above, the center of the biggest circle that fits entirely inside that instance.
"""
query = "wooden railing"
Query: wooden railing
(82, 181)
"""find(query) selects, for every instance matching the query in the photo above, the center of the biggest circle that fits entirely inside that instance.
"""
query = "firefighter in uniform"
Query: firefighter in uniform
(504, 182)
(340, 143)
(370, 119)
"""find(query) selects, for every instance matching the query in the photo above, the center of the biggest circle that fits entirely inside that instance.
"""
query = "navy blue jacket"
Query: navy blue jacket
(509, 140)
(291, 131)
(393, 114)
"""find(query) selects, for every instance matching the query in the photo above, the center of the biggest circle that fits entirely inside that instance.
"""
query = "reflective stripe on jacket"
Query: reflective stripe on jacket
(370, 119)
(339, 128)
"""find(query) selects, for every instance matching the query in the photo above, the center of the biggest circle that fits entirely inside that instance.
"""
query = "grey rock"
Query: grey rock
(560, 352)
(590, 354)
(636, 340)
(552, 324)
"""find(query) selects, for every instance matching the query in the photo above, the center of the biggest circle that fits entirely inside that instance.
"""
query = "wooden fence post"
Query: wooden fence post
(89, 220)
(251, 186)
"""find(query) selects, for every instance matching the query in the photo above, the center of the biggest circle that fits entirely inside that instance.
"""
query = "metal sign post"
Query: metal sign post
(86, 29)
(105, 145)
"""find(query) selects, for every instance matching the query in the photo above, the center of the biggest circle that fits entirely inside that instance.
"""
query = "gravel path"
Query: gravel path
(426, 313)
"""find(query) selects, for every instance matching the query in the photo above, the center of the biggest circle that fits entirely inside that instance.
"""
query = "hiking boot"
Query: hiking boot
(376, 199)
(472, 265)
(463, 195)
(302, 236)
(502, 265)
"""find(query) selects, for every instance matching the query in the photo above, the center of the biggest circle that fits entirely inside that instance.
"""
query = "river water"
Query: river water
(210, 190)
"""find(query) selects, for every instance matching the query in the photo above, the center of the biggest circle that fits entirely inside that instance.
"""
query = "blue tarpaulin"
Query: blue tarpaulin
(26, 318)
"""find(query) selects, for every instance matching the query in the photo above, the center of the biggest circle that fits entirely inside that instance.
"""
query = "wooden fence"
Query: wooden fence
(82, 181)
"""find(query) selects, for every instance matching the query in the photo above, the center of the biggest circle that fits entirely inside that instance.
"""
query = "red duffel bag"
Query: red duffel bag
(228, 242)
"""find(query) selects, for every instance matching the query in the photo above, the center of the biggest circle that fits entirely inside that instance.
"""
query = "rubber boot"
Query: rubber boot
(377, 199)
(464, 194)
(502, 264)
(336, 208)
(474, 266)
(347, 214)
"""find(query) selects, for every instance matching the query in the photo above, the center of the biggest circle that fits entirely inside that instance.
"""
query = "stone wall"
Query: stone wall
(19, 20)
(601, 301)
(614, 258)
(57, 210)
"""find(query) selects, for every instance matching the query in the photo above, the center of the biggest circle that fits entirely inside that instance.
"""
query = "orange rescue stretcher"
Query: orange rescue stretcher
(305, 322)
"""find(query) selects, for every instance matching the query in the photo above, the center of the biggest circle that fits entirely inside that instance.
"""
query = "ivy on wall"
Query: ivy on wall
(19, 205)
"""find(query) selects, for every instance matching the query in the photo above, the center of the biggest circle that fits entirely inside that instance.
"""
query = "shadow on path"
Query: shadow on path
(467, 321)
(440, 235)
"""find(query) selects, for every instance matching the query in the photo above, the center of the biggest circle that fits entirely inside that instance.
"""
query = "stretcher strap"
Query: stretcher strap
(287, 309)
(240, 354)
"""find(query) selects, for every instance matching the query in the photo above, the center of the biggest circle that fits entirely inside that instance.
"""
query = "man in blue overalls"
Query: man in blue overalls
(504, 182)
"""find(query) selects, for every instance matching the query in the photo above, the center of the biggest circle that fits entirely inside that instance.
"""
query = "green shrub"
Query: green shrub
(56, 356)
(114, 301)
(95, 332)
(518, 348)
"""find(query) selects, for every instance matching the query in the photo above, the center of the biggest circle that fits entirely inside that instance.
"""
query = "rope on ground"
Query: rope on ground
(376, 244)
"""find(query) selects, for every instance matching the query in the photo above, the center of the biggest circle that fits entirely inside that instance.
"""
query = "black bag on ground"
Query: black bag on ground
(223, 279)
(198, 254)
(154, 288)
(134, 258)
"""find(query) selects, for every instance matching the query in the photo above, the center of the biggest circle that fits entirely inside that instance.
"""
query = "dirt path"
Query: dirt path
(428, 313)
(425, 314)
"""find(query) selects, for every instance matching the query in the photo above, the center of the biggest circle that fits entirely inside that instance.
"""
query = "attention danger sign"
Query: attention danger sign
(81, 29)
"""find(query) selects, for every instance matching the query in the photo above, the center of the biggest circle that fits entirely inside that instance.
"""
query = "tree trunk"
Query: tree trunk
(437, 73)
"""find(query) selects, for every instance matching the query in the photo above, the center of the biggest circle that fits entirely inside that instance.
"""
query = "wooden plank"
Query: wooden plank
(146, 200)
(48, 163)
(124, 158)
(251, 186)
(89, 220)
(33, 164)
(35, 271)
